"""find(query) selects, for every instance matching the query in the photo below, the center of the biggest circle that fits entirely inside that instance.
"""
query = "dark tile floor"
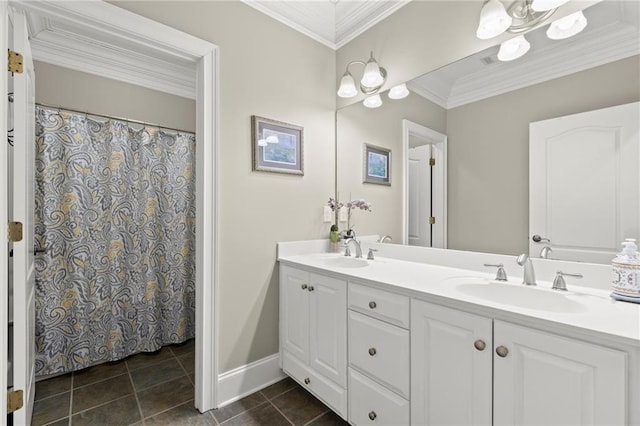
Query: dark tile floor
(157, 389)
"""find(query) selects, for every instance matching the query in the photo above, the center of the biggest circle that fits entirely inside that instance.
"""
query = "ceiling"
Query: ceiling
(331, 22)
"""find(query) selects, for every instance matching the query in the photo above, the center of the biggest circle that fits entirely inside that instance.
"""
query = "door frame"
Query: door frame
(439, 142)
(139, 31)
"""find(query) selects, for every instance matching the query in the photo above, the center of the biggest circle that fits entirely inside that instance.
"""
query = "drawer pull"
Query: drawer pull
(372, 415)
(307, 381)
(502, 351)
(480, 344)
(311, 288)
(304, 286)
(372, 351)
(372, 305)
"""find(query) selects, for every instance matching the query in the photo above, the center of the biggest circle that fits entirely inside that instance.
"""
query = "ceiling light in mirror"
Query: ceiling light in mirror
(513, 49)
(567, 27)
(398, 92)
(374, 101)
(494, 20)
(347, 86)
(543, 5)
(372, 76)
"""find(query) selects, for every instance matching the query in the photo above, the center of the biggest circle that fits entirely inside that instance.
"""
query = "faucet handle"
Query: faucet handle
(370, 254)
(501, 274)
(559, 283)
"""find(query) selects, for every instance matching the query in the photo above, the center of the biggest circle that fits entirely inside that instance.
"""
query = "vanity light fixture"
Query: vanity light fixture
(522, 16)
(567, 27)
(372, 80)
(513, 48)
(398, 92)
(373, 101)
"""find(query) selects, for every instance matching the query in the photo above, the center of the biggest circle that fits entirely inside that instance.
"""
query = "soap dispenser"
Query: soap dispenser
(626, 273)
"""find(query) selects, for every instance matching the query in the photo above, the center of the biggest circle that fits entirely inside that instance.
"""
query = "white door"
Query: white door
(544, 379)
(584, 187)
(328, 327)
(23, 211)
(420, 196)
(294, 312)
(450, 366)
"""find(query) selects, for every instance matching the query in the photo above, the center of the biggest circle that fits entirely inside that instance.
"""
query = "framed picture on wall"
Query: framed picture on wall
(277, 146)
(377, 165)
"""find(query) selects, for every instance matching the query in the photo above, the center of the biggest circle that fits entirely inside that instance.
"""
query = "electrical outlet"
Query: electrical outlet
(327, 214)
(343, 215)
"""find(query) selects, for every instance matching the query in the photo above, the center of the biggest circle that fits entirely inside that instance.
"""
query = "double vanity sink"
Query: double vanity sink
(407, 339)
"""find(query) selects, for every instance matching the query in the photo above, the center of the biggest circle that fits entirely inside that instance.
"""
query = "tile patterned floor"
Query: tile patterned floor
(157, 389)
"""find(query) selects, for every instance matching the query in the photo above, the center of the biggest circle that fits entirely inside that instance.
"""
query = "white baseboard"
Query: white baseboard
(247, 379)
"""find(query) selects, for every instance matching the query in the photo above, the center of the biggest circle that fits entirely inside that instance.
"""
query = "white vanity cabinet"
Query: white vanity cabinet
(313, 334)
(379, 356)
(538, 377)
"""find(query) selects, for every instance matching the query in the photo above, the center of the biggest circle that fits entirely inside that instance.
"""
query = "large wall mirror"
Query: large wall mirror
(483, 108)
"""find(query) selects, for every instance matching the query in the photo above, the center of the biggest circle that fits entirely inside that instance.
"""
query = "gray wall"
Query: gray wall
(68, 88)
(382, 126)
(488, 166)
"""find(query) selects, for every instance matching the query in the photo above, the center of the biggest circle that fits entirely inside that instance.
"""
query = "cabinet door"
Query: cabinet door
(328, 327)
(294, 315)
(450, 376)
(546, 379)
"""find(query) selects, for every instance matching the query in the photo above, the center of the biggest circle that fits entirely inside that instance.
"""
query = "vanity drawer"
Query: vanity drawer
(381, 351)
(370, 403)
(390, 307)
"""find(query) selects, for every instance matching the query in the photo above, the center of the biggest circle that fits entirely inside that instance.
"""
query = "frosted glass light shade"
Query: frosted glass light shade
(399, 92)
(374, 101)
(347, 86)
(272, 139)
(372, 76)
(567, 27)
(544, 5)
(262, 142)
(513, 49)
(494, 20)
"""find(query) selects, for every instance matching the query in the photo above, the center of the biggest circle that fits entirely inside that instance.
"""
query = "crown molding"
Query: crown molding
(358, 20)
(58, 44)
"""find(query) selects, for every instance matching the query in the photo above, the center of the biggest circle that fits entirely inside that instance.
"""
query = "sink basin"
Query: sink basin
(522, 296)
(346, 262)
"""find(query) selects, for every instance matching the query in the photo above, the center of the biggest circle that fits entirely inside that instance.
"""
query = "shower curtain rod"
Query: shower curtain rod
(112, 117)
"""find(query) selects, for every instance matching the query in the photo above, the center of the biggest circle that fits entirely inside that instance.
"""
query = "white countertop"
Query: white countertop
(581, 311)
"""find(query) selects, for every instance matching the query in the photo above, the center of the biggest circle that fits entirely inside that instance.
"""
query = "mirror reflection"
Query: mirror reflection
(474, 117)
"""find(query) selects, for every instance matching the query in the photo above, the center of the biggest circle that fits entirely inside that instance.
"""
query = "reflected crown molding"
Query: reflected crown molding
(482, 76)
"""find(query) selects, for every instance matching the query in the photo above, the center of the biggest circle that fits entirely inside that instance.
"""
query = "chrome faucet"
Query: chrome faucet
(544, 253)
(529, 276)
(559, 283)
(347, 252)
(384, 239)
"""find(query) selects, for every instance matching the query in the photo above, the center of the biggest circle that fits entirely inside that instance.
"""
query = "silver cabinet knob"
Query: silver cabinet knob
(304, 286)
(372, 305)
(372, 351)
(307, 381)
(311, 288)
(502, 351)
(372, 415)
(479, 344)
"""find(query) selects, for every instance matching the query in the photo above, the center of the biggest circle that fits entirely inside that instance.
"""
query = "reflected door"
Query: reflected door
(584, 183)
(420, 196)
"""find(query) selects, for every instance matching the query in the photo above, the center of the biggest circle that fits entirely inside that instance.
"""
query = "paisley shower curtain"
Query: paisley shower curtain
(115, 210)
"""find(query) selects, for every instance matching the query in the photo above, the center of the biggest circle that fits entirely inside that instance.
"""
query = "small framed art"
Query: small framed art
(277, 146)
(377, 165)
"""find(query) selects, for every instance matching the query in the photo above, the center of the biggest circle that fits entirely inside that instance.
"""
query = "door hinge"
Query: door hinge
(432, 220)
(432, 161)
(14, 62)
(15, 231)
(14, 401)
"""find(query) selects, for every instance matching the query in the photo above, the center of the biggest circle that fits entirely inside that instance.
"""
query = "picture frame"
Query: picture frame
(276, 146)
(377, 165)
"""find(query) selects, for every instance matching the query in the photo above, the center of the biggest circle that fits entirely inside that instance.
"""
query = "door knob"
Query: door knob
(311, 288)
(479, 344)
(307, 381)
(372, 415)
(372, 351)
(537, 238)
(372, 305)
(304, 286)
(502, 351)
